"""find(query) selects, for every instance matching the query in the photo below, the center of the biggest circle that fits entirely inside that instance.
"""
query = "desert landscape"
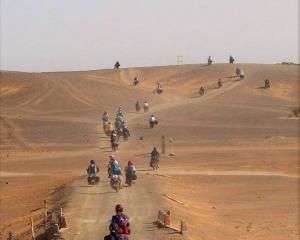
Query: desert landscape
(234, 175)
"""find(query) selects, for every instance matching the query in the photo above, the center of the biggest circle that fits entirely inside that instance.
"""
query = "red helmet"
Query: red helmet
(129, 163)
(119, 208)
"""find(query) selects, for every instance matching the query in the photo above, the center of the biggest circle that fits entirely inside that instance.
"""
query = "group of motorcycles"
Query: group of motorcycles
(138, 106)
(119, 130)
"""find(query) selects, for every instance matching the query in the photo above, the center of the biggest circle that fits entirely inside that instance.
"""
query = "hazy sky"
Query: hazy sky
(56, 35)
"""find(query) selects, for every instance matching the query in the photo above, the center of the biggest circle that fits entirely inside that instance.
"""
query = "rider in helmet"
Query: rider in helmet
(122, 221)
(130, 170)
(114, 232)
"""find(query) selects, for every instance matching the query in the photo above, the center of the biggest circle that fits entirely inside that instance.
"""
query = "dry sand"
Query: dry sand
(236, 163)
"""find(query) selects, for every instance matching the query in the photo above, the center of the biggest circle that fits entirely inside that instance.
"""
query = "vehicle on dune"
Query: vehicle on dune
(116, 182)
(93, 179)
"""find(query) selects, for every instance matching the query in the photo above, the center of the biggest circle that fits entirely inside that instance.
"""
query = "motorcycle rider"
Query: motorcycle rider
(110, 164)
(105, 117)
(125, 132)
(137, 106)
(267, 83)
(231, 59)
(117, 65)
(122, 221)
(209, 60)
(146, 106)
(238, 71)
(93, 170)
(135, 81)
(120, 113)
(220, 82)
(114, 232)
(242, 76)
(201, 91)
(152, 121)
(130, 171)
(154, 156)
(113, 138)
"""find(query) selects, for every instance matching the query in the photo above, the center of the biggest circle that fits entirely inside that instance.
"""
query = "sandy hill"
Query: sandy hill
(236, 161)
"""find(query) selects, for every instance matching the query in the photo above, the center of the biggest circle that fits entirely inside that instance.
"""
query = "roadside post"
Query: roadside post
(163, 144)
(171, 147)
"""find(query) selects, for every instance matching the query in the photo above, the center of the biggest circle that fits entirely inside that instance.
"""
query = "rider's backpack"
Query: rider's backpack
(92, 169)
(123, 223)
(130, 170)
(117, 169)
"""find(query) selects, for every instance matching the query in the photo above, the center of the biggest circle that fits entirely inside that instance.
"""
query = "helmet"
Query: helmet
(92, 161)
(119, 208)
(111, 157)
(114, 228)
(129, 162)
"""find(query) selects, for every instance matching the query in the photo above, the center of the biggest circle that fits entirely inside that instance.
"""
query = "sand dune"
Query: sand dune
(236, 166)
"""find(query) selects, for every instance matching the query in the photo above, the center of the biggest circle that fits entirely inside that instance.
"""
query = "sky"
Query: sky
(65, 35)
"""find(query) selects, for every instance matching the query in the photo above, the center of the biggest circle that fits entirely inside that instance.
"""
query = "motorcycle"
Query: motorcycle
(220, 84)
(201, 92)
(93, 179)
(153, 123)
(159, 90)
(137, 107)
(116, 182)
(146, 107)
(114, 145)
(130, 178)
(267, 84)
(154, 164)
(125, 134)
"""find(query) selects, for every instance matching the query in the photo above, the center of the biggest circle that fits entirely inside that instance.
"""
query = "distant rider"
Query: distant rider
(137, 106)
(122, 221)
(130, 171)
(231, 59)
(92, 168)
(135, 81)
(120, 113)
(220, 82)
(155, 156)
(152, 121)
(267, 83)
(201, 91)
(117, 65)
(146, 106)
(105, 117)
(242, 76)
(238, 71)
(209, 60)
